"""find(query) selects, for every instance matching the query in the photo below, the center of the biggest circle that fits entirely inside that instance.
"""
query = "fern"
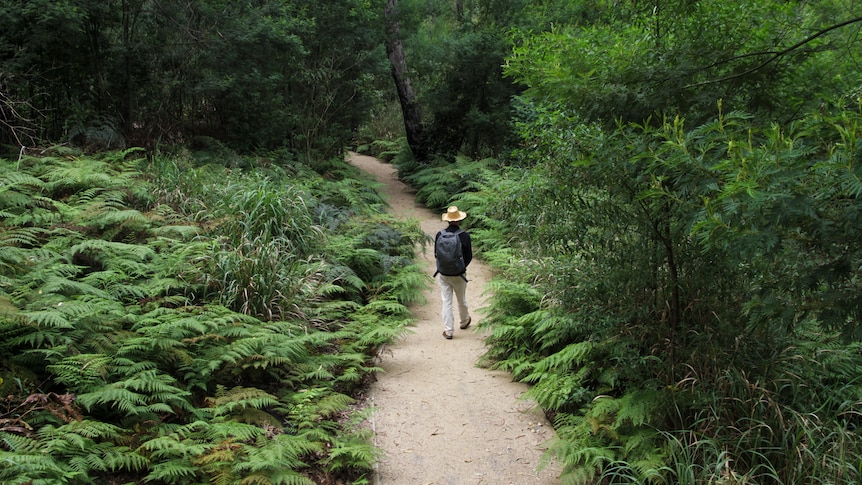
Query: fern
(26, 467)
(107, 251)
(436, 188)
(277, 462)
(48, 318)
(173, 232)
(407, 285)
(81, 371)
(570, 357)
(222, 431)
(121, 399)
(64, 286)
(174, 471)
(121, 458)
(387, 307)
(177, 445)
(67, 175)
(13, 183)
(75, 443)
(123, 219)
(382, 332)
(559, 391)
(21, 236)
(352, 453)
(263, 351)
(118, 304)
(228, 401)
(143, 393)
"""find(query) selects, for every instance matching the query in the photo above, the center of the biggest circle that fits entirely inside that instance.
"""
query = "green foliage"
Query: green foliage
(722, 247)
(455, 55)
(687, 274)
(352, 453)
(660, 263)
(298, 74)
(623, 421)
(218, 339)
(630, 61)
(470, 105)
(380, 136)
(439, 183)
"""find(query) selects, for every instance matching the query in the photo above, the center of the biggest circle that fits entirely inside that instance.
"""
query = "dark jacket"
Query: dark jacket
(466, 245)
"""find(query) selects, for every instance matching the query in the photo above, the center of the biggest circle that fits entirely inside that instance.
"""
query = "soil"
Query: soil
(437, 417)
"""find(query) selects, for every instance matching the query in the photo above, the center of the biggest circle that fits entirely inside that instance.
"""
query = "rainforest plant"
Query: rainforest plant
(682, 283)
(685, 313)
(202, 325)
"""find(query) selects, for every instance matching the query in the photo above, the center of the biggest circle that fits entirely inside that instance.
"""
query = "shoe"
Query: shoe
(447, 335)
(467, 323)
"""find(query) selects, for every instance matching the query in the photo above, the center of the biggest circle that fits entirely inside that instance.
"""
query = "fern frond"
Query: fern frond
(387, 306)
(570, 357)
(174, 471)
(177, 445)
(559, 391)
(128, 218)
(22, 236)
(87, 428)
(69, 287)
(382, 334)
(639, 407)
(142, 392)
(223, 430)
(237, 398)
(262, 351)
(48, 318)
(407, 285)
(34, 467)
(351, 455)
(18, 444)
(156, 384)
(282, 477)
(18, 180)
(81, 371)
(180, 232)
(333, 403)
(122, 458)
(125, 400)
(117, 284)
(279, 459)
(108, 251)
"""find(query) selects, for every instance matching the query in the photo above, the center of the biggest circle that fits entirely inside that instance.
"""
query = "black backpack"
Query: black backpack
(449, 255)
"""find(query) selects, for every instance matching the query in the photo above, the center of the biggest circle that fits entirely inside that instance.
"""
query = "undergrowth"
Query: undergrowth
(166, 321)
(683, 302)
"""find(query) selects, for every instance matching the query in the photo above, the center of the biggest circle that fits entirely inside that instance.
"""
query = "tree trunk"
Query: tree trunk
(459, 10)
(675, 317)
(409, 105)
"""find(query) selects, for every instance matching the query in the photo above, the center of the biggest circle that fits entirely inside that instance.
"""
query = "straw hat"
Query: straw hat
(453, 215)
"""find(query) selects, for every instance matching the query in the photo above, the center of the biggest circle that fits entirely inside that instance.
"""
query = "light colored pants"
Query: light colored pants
(458, 286)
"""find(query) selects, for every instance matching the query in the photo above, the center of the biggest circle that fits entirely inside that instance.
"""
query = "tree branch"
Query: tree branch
(776, 54)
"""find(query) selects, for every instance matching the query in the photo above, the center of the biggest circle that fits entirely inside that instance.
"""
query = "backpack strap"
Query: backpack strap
(464, 274)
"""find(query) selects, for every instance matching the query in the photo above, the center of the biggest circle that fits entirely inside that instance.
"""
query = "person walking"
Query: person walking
(453, 252)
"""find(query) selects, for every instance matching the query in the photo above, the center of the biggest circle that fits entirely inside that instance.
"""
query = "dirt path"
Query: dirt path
(438, 418)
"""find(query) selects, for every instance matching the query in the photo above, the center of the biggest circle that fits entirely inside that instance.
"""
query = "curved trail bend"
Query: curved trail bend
(437, 417)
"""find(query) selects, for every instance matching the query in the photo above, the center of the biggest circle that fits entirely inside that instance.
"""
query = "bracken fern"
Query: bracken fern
(214, 340)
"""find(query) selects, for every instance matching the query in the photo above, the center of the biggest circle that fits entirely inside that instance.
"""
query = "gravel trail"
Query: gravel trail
(439, 418)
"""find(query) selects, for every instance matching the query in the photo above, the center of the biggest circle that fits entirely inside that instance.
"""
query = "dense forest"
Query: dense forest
(193, 284)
